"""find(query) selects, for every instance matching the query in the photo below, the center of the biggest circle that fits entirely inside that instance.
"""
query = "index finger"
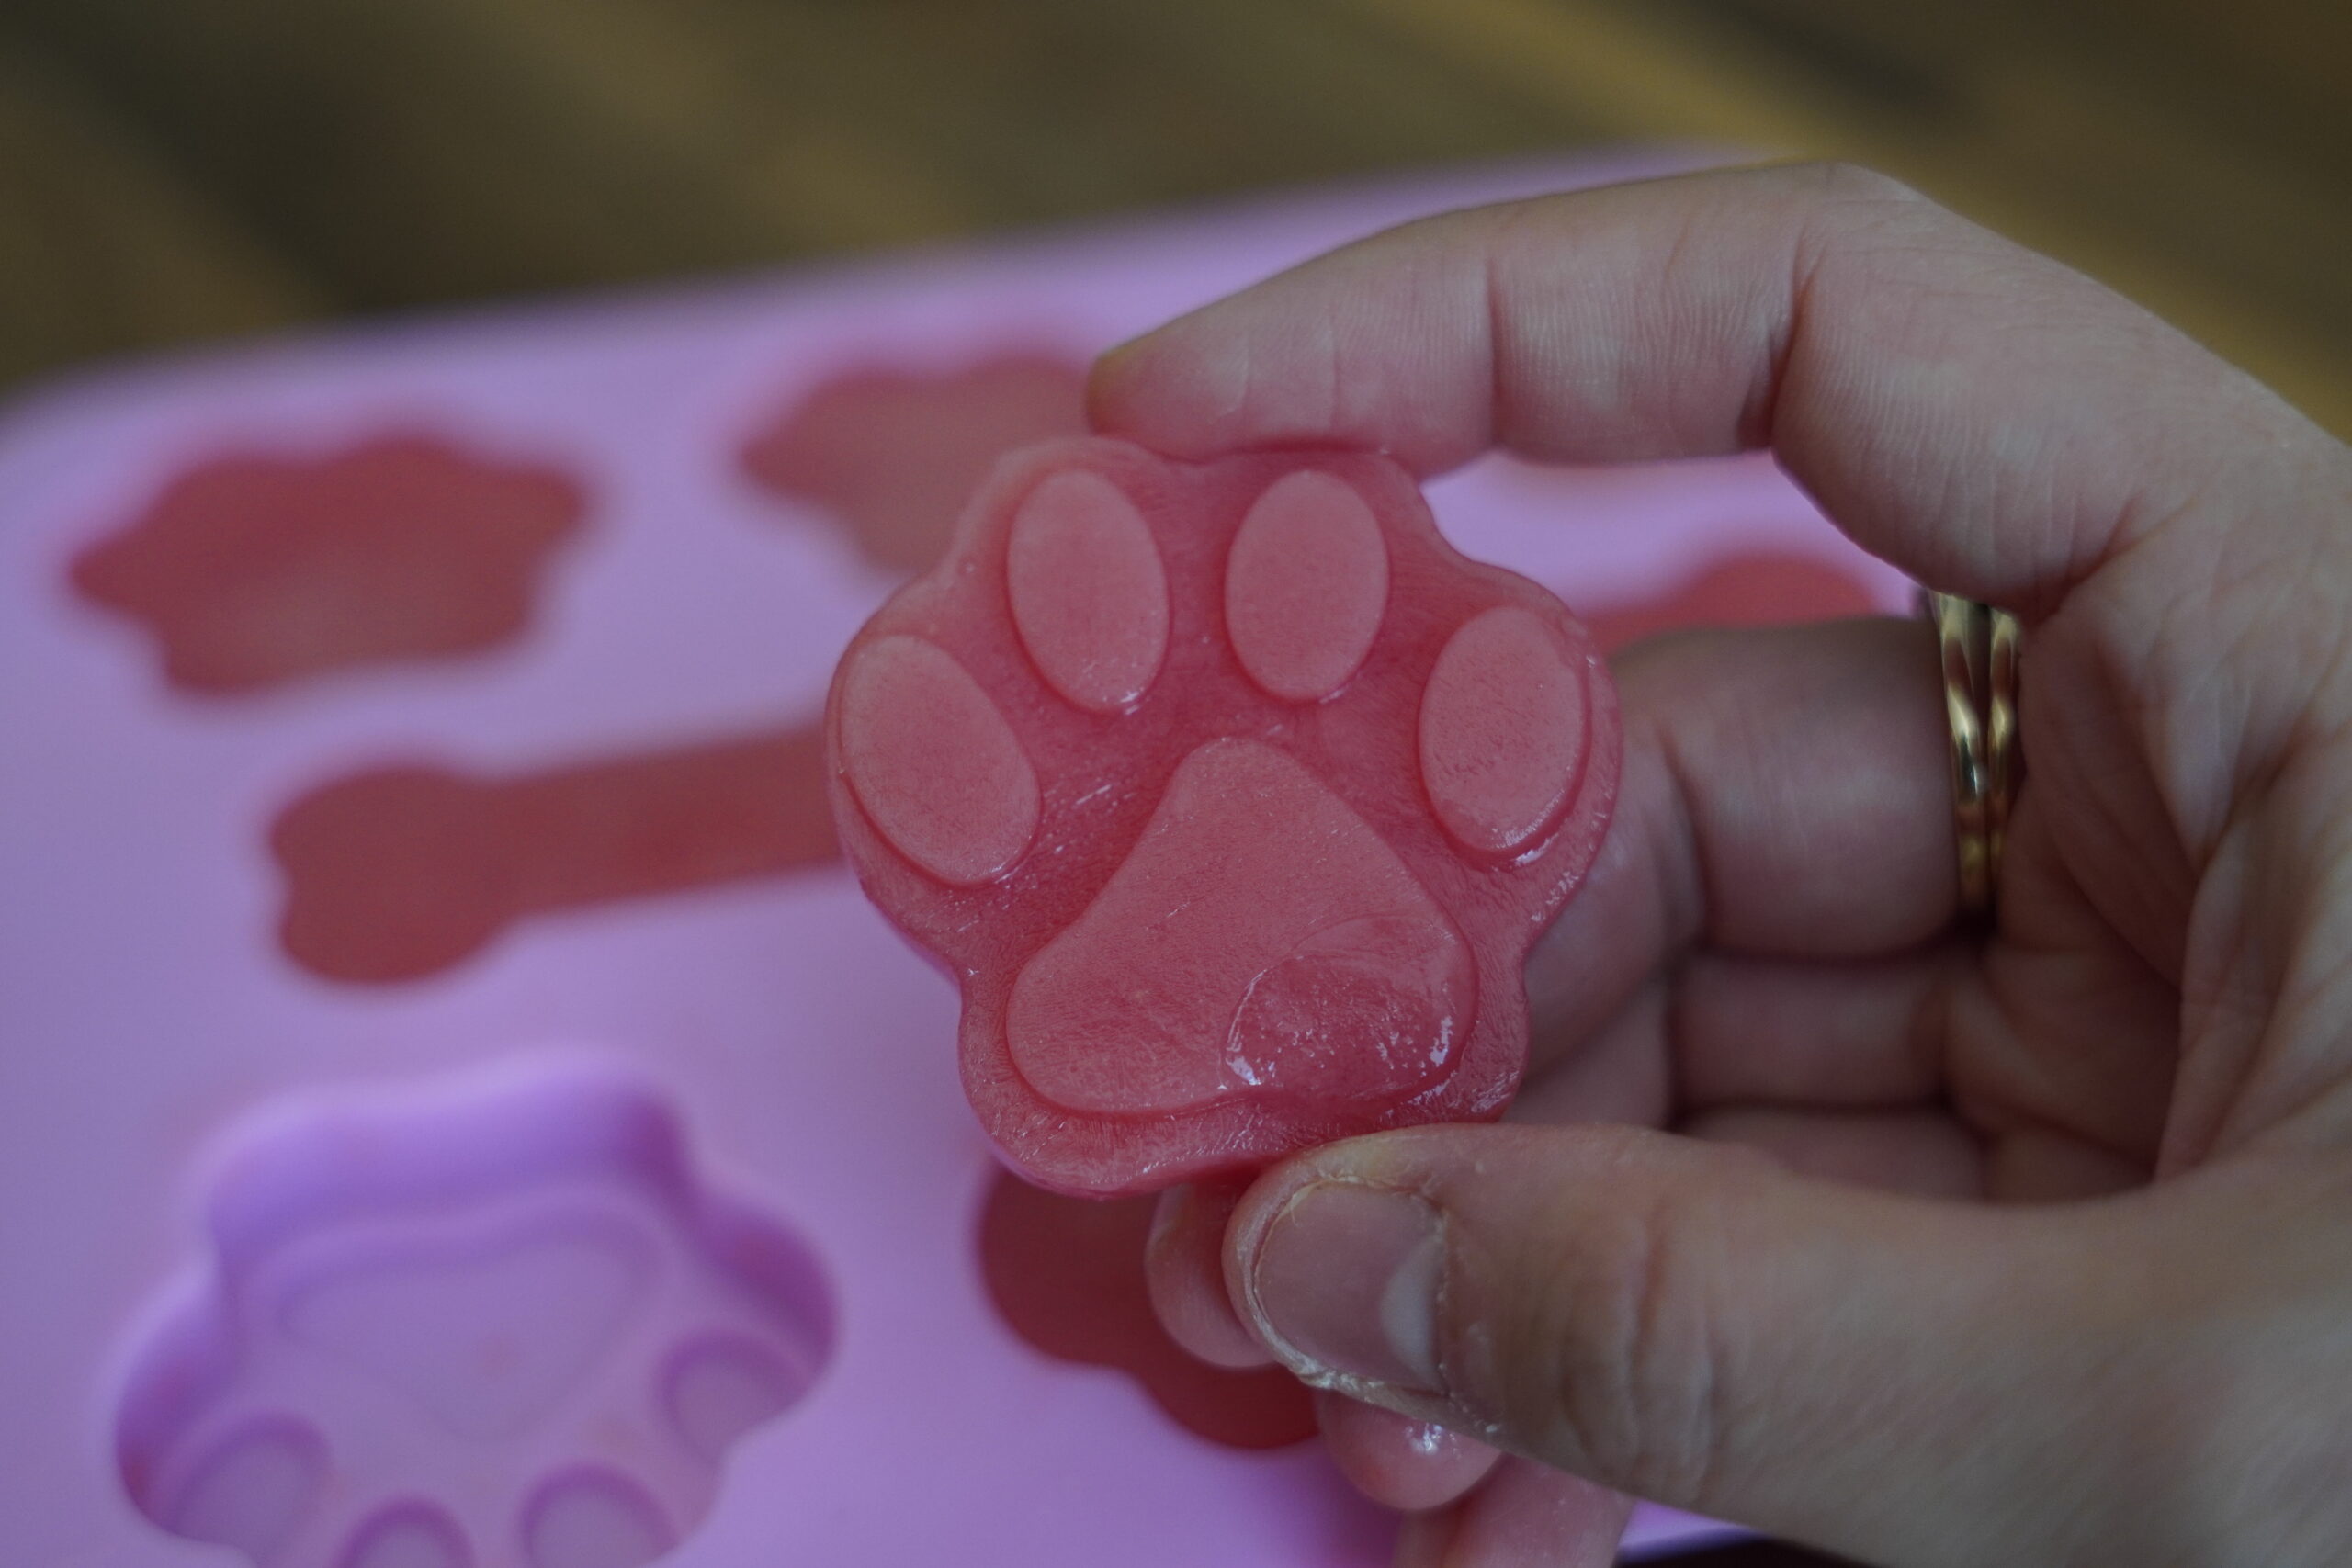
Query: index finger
(1983, 417)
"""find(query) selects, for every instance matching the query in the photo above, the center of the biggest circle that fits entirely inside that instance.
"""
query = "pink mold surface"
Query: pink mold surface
(623, 1203)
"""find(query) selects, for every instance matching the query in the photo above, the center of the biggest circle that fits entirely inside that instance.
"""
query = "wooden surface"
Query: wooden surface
(172, 172)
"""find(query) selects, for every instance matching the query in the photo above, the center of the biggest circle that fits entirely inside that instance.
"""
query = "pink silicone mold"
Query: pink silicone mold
(505, 1328)
(602, 838)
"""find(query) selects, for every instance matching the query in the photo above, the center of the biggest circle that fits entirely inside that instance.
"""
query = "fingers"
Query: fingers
(1697, 1326)
(1526, 1516)
(1784, 792)
(1861, 1035)
(1184, 1271)
(1809, 771)
(1925, 1153)
(1978, 414)
(1741, 745)
(1396, 1461)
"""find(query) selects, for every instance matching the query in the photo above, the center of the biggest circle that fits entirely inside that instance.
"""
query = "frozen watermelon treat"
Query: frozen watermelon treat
(1231, 795)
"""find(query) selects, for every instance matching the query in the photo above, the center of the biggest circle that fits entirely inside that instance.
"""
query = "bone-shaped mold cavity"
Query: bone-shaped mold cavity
(399, 873)
(497, 1325)
(253, 570)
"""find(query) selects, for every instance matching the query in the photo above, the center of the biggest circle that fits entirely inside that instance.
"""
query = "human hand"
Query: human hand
(1920, 1243)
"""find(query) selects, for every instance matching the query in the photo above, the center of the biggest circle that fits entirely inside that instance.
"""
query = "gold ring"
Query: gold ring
(1977, 649)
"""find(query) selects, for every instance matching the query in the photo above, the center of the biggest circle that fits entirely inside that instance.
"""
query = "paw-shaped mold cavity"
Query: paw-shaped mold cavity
(254, 570)
(893, 453)
(399, 872)
(1232, 797)
(502, 1326)
(1067, 1275)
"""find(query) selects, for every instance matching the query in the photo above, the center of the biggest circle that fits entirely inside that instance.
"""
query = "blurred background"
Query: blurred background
(174, 172)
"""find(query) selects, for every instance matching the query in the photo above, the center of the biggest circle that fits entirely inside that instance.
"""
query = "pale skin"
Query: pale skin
(1821, 1211)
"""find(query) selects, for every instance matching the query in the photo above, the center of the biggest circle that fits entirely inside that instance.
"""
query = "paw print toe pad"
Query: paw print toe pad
(933, 761)
(1087, 592)
(1502, 732)
(1305, 586)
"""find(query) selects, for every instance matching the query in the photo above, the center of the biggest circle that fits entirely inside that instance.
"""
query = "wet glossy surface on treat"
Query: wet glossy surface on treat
(1233, 797)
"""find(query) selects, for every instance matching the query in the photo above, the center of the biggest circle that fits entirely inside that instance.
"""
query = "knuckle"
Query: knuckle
(1626, 1351)
(1838, 181)
(1838, 206)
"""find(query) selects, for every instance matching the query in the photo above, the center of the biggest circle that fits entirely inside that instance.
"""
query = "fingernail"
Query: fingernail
(1345, 1281)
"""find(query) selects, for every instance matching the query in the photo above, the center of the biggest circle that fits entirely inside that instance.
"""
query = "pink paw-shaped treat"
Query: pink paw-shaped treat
(1232, 797)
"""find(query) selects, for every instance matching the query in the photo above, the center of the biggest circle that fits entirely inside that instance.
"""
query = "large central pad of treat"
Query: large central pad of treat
(1260, 938)
(1231, 795)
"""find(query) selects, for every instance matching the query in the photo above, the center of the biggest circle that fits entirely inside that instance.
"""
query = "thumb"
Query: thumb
(1904, 1381)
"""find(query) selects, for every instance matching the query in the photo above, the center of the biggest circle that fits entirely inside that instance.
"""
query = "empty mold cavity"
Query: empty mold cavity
(250, 571)
(498, 1327)
(1067, 1275)
(893, 454)
(398, 874)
